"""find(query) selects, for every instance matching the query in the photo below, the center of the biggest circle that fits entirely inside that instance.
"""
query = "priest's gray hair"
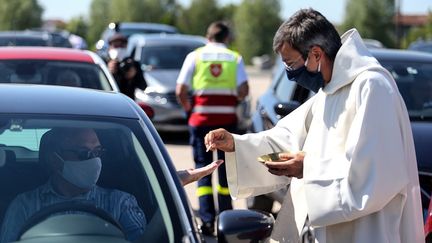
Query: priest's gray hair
(305, 29)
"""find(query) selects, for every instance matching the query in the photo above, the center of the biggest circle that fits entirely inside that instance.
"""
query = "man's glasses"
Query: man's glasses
(84, 154)
(291, 67)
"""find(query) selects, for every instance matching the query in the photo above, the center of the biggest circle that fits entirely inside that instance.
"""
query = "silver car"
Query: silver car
(161, 57)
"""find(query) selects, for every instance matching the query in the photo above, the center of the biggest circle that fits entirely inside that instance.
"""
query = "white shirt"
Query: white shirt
(188, 68)
(360, 179)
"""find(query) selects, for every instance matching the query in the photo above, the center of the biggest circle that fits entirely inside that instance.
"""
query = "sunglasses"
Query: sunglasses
(85, 154)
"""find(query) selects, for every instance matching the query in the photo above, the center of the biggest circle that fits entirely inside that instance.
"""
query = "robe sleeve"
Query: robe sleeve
(373, 169)
(246, 176)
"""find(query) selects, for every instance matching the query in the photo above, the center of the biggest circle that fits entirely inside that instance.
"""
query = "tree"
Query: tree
(195, 19)
(137, 10)
(20, 14)
(78, 26)
(255, 23)
(372, 18)
(419, 33)
(99, 19)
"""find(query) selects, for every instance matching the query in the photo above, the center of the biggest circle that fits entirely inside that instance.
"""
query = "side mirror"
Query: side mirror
(283, 109)
(243, 225)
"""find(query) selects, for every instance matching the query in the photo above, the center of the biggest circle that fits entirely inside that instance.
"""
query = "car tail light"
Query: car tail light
(147, 109)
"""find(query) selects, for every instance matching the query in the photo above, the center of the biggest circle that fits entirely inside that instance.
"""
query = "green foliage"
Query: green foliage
(198, 17)
(78, 26)
(419, 33)
(256, 22)
(372, 18)
(20, 14)
(103, 12)
(99, 19)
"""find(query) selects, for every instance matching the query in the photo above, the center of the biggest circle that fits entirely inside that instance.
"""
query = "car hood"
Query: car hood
(422, 132)
(163, 81)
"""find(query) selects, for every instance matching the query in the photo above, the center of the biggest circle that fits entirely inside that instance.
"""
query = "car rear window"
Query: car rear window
(166, 57)
(54, 72)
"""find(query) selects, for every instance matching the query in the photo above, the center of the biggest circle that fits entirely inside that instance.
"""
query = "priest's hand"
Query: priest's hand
(191, 175)
(219, 139)
(289, 164)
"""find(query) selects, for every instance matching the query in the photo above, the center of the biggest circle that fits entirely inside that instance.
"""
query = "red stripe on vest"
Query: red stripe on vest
(215, 100)
(198, 119)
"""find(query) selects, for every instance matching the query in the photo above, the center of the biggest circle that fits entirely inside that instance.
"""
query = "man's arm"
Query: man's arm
(242, 91)
(183, 98)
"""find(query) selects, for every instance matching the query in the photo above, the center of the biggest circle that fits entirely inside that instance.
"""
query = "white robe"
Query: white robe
(360, 181)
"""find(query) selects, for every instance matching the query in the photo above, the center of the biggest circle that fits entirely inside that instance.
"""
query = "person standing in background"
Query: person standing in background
(217, 79)
(126, 71)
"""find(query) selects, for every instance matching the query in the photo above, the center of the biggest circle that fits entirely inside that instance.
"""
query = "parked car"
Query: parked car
(24, 38)
(412, 72)
(57, 38)
(134, 161)
(421, 45)
(127, 29)
(45, 65)
(161, 58)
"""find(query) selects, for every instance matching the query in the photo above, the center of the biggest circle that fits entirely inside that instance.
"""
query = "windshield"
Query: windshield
(22, 41)
(129, 31)
(414, 81)
(166, 57)
(54, 72)
(109, 165)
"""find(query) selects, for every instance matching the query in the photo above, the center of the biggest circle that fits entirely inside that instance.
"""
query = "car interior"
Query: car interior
(22, 169)
(49, 72)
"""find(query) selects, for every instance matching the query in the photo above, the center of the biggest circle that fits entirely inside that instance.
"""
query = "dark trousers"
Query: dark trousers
(207, 211)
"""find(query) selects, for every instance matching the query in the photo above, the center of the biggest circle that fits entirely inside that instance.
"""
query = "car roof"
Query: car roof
(55, 100)
(146, 25)
(401, 55)
(45, 53)
(161, 39)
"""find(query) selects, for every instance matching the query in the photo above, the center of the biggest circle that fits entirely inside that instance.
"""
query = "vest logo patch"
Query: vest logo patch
(216, 69)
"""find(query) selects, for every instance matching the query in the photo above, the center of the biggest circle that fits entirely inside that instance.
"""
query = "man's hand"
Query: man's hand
(113, 66)
(219, 139)
(191, 175)
(130, 74)
(289, 164)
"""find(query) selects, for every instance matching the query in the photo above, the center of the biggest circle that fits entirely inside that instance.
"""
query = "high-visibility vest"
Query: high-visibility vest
(214, 87)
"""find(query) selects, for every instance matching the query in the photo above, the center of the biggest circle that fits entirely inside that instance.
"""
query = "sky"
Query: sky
(332, 9)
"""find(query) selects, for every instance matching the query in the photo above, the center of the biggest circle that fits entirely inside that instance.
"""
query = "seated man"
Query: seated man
(72, 157)
(68, 78)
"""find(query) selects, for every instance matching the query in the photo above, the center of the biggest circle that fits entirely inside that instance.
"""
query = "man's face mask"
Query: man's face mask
(84, 173)
(310, 80)
(118, 53)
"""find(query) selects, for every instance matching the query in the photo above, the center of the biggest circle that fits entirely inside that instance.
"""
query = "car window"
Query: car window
(128, 170)
(283, 88)
(166, 57)
(22, 41)
(414, 80)
(54, 72)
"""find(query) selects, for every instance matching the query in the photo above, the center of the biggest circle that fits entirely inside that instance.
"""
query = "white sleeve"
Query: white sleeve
(373, 169)
(241, 72)
(187, 70)
(246, 176)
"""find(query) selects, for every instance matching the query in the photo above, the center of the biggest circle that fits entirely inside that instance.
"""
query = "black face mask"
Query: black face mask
(310, 80)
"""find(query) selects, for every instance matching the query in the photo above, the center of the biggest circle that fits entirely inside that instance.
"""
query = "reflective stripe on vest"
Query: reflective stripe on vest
(214, 109)
(223, 190)
(204, 191)
(215, 92)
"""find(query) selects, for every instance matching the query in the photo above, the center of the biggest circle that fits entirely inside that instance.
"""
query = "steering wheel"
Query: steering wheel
(72, 206)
